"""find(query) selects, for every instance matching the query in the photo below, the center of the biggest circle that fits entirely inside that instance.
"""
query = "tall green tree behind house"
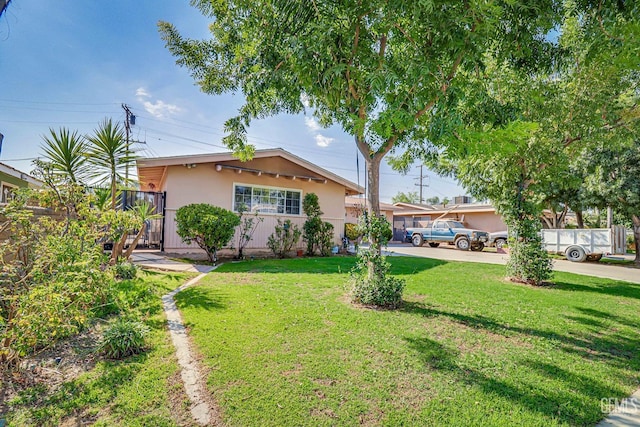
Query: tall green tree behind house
(408, 197)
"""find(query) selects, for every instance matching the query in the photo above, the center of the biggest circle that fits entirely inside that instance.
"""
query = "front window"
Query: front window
(7, 192)
(267, 200)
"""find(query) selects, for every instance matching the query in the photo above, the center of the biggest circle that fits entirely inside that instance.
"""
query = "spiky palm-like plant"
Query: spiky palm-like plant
(109, 152)
(66, 154)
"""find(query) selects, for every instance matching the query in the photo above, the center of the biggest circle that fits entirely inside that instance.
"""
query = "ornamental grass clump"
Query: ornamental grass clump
(125, 337)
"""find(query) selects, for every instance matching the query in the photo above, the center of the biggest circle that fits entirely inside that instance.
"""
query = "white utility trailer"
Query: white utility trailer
(582, 244)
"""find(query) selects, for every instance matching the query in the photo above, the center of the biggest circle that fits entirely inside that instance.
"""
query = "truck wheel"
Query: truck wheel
(417, 240)
(462, 243)
(434, 244)
(594, 257)
(477, 247)
(575, 254)
(500, 243)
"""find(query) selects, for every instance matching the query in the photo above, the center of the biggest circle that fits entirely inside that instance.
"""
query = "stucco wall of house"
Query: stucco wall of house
(204, 184)
(486, 221)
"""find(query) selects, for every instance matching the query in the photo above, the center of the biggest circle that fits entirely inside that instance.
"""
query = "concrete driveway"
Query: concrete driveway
(617, 272)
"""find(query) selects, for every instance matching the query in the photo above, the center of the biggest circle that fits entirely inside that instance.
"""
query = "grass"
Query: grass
(137, 391)
(285, 347)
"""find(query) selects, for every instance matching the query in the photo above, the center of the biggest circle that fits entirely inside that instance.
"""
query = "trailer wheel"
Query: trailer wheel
(575, 254)
(417, 240)
(594, 257)
(434, 244)
(462, 243)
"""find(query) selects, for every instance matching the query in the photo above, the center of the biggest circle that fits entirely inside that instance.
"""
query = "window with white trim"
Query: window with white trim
(7, 191)
(267, 199)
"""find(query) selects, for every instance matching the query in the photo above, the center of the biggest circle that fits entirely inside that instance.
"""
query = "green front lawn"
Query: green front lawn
(285, 347)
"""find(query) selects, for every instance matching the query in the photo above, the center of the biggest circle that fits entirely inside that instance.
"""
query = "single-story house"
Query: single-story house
(474, 215)
(11, 179)
(273, 184)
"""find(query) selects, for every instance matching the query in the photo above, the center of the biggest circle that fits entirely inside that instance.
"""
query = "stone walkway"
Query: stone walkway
(194, 382)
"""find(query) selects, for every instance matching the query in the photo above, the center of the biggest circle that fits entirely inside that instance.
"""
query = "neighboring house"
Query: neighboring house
(474, 215)
(356, 205)
(11, 179)
(273, 184)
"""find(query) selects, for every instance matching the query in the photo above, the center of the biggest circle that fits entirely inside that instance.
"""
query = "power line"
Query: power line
(57, 103)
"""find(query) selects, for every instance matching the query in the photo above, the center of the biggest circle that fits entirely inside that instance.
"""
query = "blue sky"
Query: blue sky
(73, 63)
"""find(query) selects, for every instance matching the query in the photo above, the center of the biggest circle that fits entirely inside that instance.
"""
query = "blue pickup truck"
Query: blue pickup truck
(447, 231)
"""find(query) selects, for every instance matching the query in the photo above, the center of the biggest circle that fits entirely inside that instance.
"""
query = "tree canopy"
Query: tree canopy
(376, 68)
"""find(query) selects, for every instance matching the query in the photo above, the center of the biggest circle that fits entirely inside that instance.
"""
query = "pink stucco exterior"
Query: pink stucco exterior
(212, 179)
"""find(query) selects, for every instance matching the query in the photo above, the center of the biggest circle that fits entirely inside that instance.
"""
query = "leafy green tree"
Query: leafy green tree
(614, 180)
(375, 68)
(66, 154)
(209, 227)
(378, 69)
(109, 153)
(410, 197)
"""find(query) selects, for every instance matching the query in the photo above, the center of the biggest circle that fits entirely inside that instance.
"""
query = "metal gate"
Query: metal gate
(153, 237)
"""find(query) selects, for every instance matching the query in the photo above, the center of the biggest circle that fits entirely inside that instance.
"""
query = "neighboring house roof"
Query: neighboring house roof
(435, 211)
(23, 176)
(356, 202)
(413, 206)
(153, 170)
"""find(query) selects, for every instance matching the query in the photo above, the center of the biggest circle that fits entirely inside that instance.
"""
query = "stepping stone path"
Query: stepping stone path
(194, 383)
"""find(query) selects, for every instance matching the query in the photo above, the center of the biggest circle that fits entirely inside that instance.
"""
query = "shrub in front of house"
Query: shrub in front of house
(210, 227)
(285, 236)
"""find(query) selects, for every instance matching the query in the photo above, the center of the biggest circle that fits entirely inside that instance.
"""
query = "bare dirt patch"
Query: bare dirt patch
(52, 367)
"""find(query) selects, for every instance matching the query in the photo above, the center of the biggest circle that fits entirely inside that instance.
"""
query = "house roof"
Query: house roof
(20, 175)
(439, 210)
(153, 170)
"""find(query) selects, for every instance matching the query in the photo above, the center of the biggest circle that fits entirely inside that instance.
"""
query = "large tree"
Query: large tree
(376, 68)
(614, 180)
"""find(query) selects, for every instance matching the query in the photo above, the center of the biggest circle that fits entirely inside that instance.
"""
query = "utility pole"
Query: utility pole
(129, 118)
(421, 183)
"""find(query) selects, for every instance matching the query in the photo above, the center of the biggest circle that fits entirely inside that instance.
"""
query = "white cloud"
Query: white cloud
(142, 93)
(312, 123)
(323, 141)
(160, 109)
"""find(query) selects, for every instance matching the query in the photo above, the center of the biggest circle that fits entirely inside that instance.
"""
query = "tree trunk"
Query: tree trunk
(636, 237)
(133, 245)
(373, 183)
(118, 247)
(579, 219)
